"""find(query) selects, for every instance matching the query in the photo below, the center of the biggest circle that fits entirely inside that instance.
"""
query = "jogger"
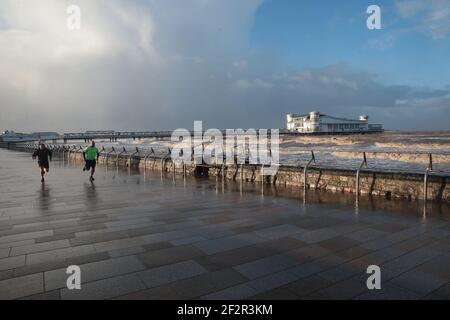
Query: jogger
(43, 154)
(91, 155)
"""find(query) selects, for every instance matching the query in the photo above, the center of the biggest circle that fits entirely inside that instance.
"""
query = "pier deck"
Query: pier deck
(143, 237)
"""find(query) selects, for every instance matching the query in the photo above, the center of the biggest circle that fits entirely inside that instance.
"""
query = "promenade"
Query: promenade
(138, 236)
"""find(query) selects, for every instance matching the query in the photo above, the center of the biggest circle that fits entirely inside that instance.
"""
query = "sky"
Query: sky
(161, 64)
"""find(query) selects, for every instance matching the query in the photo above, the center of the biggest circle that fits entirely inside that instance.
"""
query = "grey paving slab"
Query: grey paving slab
(420, 282)
(283, 244)
(341, 272)
(158, 293)
(310, 252)
(241, 291)
(367, 234)
(389, 227)
(306, 286)
(170, 273)
(6, 274)
(317, 235)
(58, 254)
(19, 287)
(279, 231)
(64, 236)
(275, 294)
(411, 259)
(50, 295)
(272, 281)
(414, 243)
(329, 261)
(24, 236)
(105, 289)
(305, 270)
(339, 243)
(437, 266)
(19, 243)
(39, 247)
(126, 252)
(265, 266)
(169, 255)
(118, 244)
(56, 279)
(376, 244)
(444, 291)
(187, 240)
(235, 257)
(12, 262)
(96, 236)
(353, 253)
(381, 256)
(4, 252)
(388, 291)
(344, 290)
(206, 283)
(228, 243)
(87, 258)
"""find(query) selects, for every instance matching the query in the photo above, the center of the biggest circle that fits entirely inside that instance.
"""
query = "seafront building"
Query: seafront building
(15, 137)
(316, 122)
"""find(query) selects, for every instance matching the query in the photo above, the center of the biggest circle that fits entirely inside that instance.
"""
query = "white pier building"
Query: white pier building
(316, 122)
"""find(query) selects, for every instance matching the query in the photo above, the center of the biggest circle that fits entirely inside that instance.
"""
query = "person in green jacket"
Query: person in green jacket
(90, 155)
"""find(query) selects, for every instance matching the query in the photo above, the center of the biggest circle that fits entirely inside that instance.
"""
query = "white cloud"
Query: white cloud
(244, 84)
(432, 16)
(241, 64)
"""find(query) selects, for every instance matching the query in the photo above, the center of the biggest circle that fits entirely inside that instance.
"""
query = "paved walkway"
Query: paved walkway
(137, 237)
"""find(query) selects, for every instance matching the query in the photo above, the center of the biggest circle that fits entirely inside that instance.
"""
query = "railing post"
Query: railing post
(80, 149)
(262, 178)
(102, 150)
(107, 155)
(118, 155)
(63, 153)
(131, 157)
(223, 176)
(363, 163)
(163, 161)
(305, 170)
(146, 157)
(173, 169)
(425, 179)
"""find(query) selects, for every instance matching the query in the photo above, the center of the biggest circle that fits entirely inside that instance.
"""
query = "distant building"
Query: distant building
(11, 136)
(316, 122)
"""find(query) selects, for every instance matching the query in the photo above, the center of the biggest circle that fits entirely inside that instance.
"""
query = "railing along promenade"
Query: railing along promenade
(160, 157)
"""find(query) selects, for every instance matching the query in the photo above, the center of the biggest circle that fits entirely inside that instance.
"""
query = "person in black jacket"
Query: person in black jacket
(43, 154)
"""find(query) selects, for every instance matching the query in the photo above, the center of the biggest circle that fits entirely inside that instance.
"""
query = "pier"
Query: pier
(114, 136)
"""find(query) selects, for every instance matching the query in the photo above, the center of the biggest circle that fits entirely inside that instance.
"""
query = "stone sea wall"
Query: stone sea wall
(389, 185)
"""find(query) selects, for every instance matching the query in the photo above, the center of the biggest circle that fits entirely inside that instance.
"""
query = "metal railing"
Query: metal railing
(312, 162)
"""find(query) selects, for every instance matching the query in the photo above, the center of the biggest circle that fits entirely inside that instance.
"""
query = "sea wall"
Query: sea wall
(376, 183)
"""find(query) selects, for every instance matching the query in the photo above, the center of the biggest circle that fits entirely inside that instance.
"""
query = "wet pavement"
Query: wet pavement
(138, 236)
